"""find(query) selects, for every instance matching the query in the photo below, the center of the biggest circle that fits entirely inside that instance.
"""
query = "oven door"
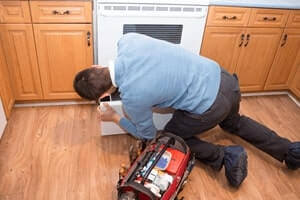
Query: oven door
(183, 26)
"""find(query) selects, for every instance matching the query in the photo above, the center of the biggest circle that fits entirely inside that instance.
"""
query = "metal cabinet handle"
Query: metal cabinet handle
(285, 37)
(269, 19)
(229, 18)
(247, 40)
(242, 40)
(67, 12)
(55, 12)
(88, 36)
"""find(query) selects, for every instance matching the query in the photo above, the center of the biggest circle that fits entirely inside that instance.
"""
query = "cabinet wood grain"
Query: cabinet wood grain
(20, 52)
(228, 16)
(61, 11)
(14, 12)
(256, 57)
(63, 50)
(6, 91)
(286, 60)
(223, 45)
(294, 19)
(268, 17)
(295, 83)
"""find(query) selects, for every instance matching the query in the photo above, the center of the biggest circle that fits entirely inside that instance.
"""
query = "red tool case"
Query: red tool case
(133, 186)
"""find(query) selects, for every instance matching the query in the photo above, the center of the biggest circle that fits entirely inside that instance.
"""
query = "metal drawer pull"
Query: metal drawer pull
(226, 17)
(88, 34)
(270, 19)
(247, 40)
(55, 12)
(284, 40)
(242, 40)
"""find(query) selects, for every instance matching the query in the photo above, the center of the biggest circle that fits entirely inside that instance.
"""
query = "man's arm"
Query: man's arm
(140, 124)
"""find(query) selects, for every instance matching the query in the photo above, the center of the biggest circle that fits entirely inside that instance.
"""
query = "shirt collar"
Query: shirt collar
(111, 67)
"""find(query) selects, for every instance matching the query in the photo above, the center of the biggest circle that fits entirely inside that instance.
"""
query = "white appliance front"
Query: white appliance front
(160, 118)
(182, 24)
(116, 19)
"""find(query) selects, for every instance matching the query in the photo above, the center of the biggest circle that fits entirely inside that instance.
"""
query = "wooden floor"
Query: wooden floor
(57, 153)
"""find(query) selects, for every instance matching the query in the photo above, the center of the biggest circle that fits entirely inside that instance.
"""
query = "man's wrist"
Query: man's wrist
(116, 118)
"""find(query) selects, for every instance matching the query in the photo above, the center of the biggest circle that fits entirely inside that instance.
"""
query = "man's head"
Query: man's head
(93, 83)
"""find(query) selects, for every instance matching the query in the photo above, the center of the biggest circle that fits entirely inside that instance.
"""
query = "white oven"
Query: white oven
(181, 22)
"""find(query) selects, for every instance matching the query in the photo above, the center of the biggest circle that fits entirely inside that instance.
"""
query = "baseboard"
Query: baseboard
(294, 99)
(62, 103)
(58, 103)
(250, 94)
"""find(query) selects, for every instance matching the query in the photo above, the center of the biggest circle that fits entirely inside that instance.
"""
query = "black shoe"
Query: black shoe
(235, 162)
(292, 159)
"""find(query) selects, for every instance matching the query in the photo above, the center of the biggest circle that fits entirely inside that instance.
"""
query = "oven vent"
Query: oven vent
(158, 8)
(168, 32)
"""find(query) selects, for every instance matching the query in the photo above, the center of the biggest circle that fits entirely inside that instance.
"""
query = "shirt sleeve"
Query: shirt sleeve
(141, 121)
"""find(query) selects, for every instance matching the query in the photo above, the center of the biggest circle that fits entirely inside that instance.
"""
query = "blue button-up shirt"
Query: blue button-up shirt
(154, 73)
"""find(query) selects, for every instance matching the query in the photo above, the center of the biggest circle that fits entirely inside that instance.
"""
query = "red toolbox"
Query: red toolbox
(159, 172)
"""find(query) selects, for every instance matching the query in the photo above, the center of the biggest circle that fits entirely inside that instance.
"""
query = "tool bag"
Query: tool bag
(159, 172)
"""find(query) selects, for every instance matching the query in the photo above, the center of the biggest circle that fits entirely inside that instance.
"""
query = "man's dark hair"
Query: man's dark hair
(91, 83)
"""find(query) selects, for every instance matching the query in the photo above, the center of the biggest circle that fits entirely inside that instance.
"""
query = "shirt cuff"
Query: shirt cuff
(128, 126)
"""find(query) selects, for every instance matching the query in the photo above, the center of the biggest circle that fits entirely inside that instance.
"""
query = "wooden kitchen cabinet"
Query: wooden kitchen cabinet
(286, 60)
(223, 45)
(63, 50)
(268, 17)
(249, 52)
(14, 12)
(228, 16)
(294, 19)
(6, 92)
(61, 11)
(259, 31)
(19, 46)
(295, 83)
(256, 57)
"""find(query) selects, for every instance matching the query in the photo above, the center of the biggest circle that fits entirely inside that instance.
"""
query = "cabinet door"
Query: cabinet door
(295, 83)
(223, 45)
(256, 57)
(285, 60)
(20, 52)
(6, 91)
(63, 50)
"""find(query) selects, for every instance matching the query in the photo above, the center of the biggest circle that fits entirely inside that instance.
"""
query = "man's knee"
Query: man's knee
(231, 125)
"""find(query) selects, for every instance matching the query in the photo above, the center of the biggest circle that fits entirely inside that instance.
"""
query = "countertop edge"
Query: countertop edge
(256, 5)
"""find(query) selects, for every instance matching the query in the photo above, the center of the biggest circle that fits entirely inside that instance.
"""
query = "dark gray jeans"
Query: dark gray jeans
(225, 113)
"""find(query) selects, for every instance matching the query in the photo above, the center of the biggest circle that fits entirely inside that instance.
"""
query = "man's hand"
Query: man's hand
(108, 114)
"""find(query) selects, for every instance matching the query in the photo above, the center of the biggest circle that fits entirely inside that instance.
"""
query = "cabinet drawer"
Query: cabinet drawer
(228, 16)
(294, 19)
(61, 11)
(14, 12)
(268, 18)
